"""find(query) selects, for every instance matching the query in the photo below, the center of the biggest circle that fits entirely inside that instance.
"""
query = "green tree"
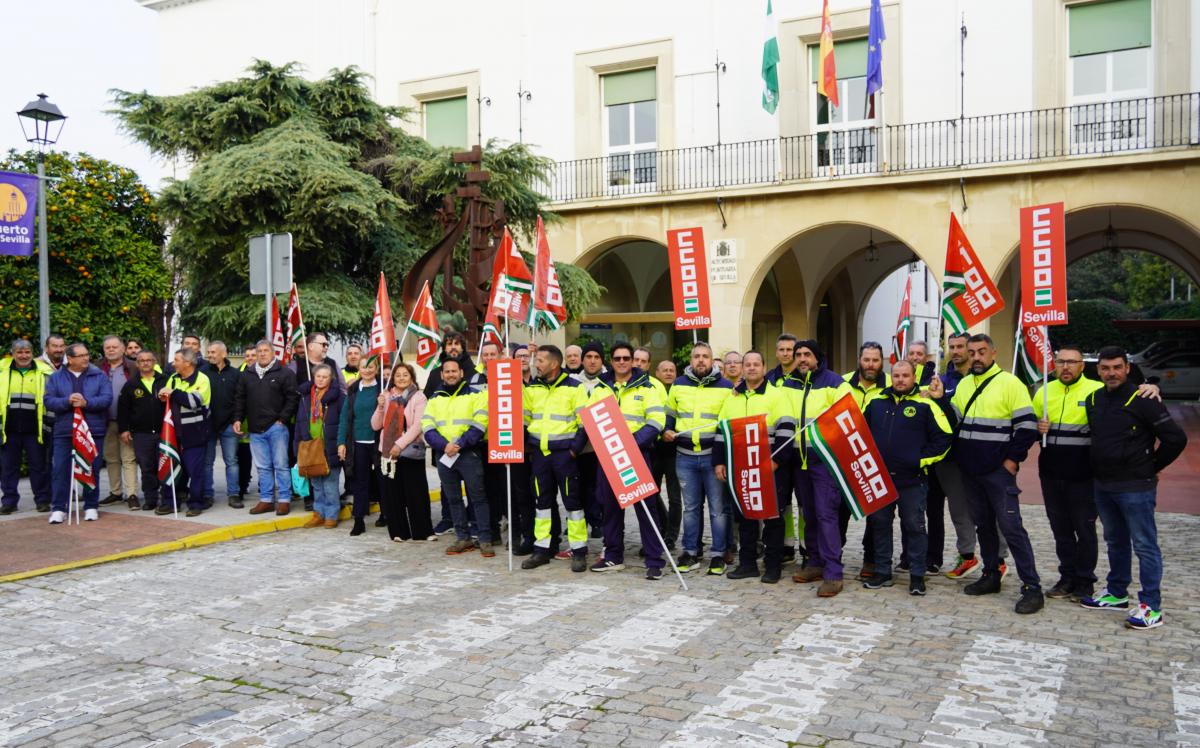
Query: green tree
(320, 159)
(107, 272)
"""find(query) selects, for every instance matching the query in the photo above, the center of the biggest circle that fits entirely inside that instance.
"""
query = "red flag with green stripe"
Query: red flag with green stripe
(968, 294)
(841, 437)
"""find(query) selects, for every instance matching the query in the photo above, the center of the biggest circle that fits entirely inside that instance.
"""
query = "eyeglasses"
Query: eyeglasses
(323, 343)
(1068, 361)
(622, 358)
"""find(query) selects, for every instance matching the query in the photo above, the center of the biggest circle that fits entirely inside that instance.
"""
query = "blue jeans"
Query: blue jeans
(325, 494)
(468, 469)
(61, 478)
(229, 442)
(270, 451)
(697, 479)
(1129, 517)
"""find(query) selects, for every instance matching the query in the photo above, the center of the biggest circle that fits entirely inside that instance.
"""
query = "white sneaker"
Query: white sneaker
(91, 515)
(56, 518)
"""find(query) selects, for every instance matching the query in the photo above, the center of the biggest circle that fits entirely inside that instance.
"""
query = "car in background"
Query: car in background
(1176, 374)
(1161, 348)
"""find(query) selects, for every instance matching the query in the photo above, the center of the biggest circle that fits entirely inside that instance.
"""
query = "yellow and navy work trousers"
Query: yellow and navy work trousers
(554, 473)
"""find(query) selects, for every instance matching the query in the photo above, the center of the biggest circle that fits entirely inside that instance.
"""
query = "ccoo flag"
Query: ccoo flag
(748, 467)
(423, 323)
(168, 450)
(547, 304)
(278, 343)
(770, 64)
(1032, 353)
(626, 470)
(383, 331)
(511, 282)
(295, 323)
(83, 452)
(968, 294)
(842, 439)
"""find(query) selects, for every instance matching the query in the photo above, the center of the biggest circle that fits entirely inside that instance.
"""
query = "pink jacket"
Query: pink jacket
(414, 411)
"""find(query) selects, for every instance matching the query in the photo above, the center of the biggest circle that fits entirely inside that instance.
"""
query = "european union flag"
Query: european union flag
(875, 38)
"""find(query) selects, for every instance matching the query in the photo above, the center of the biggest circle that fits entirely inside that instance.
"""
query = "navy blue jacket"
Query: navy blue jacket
(911, 433)
(95, 387)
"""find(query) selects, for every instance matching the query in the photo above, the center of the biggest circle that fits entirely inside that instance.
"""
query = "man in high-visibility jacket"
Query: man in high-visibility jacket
(693, 410)
(867, 383)
(810, 390)
(188, 394)
(22, 411)
(751, 397)
(455, 421)
(555, 438)
(911, 434)
(645, 413)
(995, 428)
(1066, 474)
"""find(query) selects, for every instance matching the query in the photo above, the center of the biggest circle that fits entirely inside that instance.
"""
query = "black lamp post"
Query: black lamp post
(42, 123)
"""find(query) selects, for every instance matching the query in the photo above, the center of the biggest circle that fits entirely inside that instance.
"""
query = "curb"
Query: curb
(208, 537)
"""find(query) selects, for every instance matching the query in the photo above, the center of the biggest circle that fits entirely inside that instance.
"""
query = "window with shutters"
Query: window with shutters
(446, 122)
(845, 135)
(1109, 74)
(631, 129)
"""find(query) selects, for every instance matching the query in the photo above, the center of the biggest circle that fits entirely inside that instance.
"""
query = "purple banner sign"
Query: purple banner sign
(18, 205)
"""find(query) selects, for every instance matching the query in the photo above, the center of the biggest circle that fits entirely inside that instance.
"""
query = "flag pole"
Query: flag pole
(300, 314)
(174, 493)
(404, 335)
(662, 543)
(1045, 375)
(71, 505)
(507, 468)
(1017, 343)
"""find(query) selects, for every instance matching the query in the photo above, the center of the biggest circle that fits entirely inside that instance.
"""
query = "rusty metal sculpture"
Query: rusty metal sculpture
(464, 211)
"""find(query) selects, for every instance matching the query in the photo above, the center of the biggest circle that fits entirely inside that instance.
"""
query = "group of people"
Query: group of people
(953, 439)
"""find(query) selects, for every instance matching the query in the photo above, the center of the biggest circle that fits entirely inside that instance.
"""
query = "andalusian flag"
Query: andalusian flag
(423, 323)
(295, 323)
(968, 294)
(168, 450)
(83, 452)
(1032, 353)
(770, 64)
(827, 69)
(547, 306)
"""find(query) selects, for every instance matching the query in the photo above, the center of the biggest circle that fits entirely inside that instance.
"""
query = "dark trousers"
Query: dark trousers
(495, 478)
(993, 498)
(468, 469)
(553, 474)
(365, 461)
(772, 529)
(935, 522)
(520, 526)
(1071, 509)
(614, 525)
(587, 464)
(145, 451)
(670, 515)
(405, 501)
(245, 462)
(192, 461)
(15, 445)
(912, 526)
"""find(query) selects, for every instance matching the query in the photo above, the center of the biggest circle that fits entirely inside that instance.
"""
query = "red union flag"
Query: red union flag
(748, 466)
(968, 294)
(84, 453)
(423, 323)
(383, 332)
(626, 469)
(840, 435)
(278, 342)
(511, 282)
(689, 278)
(1043, 266)
(295, 323)
(506, 411)
(168, 450)
(547, 294)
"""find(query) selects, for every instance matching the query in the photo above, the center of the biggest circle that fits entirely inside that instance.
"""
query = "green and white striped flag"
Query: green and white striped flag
(770, 64)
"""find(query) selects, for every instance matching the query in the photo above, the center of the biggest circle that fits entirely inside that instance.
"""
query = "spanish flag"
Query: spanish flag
(827, 80)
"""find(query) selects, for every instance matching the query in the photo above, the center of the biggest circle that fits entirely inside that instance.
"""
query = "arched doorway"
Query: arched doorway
(636, 305)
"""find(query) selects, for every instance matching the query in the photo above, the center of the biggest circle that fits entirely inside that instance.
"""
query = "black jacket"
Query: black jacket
(140, 411)
(434, 383)
(911, 433)
(1124, 428)
(224, 384)
(262, 402)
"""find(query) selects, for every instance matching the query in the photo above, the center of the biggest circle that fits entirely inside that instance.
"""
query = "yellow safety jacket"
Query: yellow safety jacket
(1066, 455)
(190, 398)
(551, 413)
(23, 390)
(808, 394)
(641, 403)
(694, 406)
(863, 395)
(767, 400)
(455, 415)
(999, 425)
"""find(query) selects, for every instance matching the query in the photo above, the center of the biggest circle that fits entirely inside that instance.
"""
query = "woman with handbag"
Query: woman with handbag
(317, 419)
(358, 443)
(405, 486)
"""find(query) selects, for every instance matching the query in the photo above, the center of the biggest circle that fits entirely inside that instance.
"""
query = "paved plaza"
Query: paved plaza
(314, 638)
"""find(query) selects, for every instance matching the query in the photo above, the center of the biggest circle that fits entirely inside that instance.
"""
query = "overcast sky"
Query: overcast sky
(74, 51)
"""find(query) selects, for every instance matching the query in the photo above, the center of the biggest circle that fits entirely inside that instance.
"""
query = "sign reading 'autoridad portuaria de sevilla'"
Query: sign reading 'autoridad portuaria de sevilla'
(689, 278)
(18, 196)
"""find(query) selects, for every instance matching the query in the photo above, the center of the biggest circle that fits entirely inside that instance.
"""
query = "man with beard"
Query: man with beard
(454, 346)
(693, 408)
(997, 428)
(867, 382)
(354, 354)
(670, 513)
(588, 376)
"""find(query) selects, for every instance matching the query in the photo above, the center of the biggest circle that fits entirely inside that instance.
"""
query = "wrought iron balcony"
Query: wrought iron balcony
(1081, 131)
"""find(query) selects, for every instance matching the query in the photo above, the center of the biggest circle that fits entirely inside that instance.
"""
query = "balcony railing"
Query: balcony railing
(1085, 130)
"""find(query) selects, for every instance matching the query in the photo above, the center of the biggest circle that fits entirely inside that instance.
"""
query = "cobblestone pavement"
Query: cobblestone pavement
(314, 638)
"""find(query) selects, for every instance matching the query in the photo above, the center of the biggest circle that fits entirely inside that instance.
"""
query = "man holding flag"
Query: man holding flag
(188, 394)
(139, 418)
(80, 385)
(995, 428)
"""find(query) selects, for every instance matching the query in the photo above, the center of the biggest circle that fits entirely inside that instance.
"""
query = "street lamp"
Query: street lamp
(46, 121)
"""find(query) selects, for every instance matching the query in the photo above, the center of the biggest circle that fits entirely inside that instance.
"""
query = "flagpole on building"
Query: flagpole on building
(662, 543)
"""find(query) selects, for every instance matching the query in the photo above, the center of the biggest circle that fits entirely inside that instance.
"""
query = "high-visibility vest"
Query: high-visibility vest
(23, 390)
(453, 412)
(551, 418)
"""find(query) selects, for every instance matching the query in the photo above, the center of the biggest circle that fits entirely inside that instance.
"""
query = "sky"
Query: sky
(74, 51)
